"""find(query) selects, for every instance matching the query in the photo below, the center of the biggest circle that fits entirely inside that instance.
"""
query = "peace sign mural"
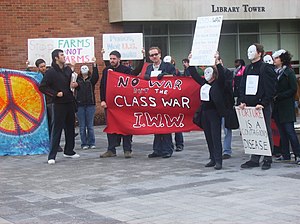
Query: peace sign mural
(23, 124)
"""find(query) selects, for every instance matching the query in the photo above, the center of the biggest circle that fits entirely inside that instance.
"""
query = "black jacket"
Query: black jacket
(165, 68)
(57, 80)
(103, 82)
(266, 84)
(85, 92)
(216, 94)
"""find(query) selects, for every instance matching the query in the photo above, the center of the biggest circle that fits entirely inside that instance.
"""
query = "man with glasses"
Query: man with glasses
(162, 145)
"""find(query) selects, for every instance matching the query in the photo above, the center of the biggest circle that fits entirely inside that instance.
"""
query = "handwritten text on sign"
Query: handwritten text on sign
(79, 49)
(206, 40)
(254, 131)
(139, 107)
(130, 45)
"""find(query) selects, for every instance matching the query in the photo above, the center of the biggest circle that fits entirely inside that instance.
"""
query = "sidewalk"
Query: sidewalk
(178, 190)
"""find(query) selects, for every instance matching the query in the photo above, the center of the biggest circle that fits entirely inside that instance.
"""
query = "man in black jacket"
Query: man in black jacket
(56, 83)
(261, 99)
(114, 139)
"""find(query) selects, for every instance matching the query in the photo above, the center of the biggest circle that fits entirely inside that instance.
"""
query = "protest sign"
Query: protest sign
(206, 40)
(130, 45)
(254, 131)
(23, 120)
(78, 49)
(140, 107)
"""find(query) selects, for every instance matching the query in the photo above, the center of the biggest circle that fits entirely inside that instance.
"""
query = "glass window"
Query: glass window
(161, 42)
(290, 42)
(266, 27)
(248, 28)
(180, 49)
(180, 28)
(290, 26)
(245, 42)
(156, 29)
(229, 27)
(270, 42)
(133, 28)
(227, 49)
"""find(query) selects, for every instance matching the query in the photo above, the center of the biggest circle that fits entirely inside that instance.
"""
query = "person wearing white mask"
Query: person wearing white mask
(85, 98)
(268, 59)
(212, 109)
(284, 107)
(260, 95)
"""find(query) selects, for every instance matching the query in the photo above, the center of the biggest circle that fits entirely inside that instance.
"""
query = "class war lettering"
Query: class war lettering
(143, 101)
(236, 9)
(144, 119)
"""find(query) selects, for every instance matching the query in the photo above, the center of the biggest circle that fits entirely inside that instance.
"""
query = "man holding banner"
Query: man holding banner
(162, 145)
(114, 139)
(257, 90)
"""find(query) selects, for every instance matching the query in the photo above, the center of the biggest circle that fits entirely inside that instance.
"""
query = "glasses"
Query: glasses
(152, 55)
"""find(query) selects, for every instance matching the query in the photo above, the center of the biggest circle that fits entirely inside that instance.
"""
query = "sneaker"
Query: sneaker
(282, 159)
(127, 154)
(179, 148)
(107, 154)
(298, 162)
(72, 156)
(226, 156)
(85, 147)
(51, 161)
(266, 165)
(153, 155)
(249, 164)
(92, 146)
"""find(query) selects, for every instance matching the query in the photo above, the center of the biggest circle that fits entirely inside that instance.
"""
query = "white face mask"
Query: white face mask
(268, 59)
(208, 73)
(252, 52)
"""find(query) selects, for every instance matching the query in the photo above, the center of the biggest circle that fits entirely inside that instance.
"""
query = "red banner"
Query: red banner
(139, 107)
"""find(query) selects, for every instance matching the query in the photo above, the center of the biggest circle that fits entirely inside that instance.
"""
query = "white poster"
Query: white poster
(130, 45)
(79, 49)
(206, 40)
(254, 131)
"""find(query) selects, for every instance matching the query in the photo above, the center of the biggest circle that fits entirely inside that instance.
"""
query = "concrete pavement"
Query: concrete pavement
(93, 190)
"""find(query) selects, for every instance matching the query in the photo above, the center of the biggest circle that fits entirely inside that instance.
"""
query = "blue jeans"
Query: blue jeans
(227, 139)
(85, 117)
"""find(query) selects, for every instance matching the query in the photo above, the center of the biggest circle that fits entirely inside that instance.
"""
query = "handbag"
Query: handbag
(197, 117)
(231, 120)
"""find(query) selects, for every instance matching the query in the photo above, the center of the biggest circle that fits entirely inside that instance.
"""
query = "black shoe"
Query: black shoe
(218, 166)
(226, 156)
(266, 165)
(249, 164)
(168, 155)
(179, 148)
(210, 164)
(60, 149)
(153, 155)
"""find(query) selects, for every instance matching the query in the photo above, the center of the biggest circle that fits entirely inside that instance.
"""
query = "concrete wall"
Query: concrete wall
(158, 10)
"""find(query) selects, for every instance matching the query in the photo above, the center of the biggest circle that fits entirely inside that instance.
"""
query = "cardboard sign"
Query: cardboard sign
(130, 45)
(206, 40)
(79, 49)
(254, 131)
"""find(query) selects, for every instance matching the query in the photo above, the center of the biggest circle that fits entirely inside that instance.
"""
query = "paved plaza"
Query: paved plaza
(93, 190)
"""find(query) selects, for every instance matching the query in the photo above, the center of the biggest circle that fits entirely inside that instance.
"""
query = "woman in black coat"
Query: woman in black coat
(212, 109)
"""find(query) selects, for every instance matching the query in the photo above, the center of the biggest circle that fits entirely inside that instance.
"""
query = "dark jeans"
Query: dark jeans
(63, 118)
(212, 129)
(114, 140)
(267, 115)
(288, 135)
(163, 144)
(179, 139)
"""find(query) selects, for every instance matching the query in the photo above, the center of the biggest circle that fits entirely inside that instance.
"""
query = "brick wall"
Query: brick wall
(25, 19)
